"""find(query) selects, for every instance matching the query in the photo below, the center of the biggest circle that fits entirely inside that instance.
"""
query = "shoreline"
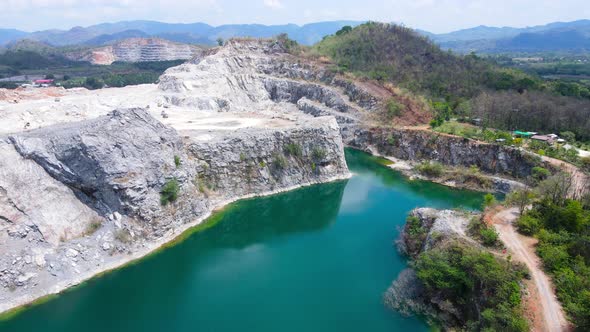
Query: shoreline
(15, 306)
(406, 168)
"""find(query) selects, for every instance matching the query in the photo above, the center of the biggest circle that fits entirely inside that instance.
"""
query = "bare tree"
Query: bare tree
(556, 188)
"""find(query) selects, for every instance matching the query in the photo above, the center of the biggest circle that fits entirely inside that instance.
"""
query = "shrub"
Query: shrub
(390, 140)
(93, 83)
(489, 200)
(569, 136)
(177, 161)
(393, 108)
(528, 225)
(484, 233)
(279, 162)
(345, 29)
(489, 236)
(93, 226)
(123, 236)
(474, 282)
(169, 192)
(428, 168)
(318, 154)
(414, 225)
(290, 45)
(293, 149)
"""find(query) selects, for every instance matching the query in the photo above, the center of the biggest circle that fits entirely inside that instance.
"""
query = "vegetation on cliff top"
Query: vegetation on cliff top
(460, 285)
(484, 290)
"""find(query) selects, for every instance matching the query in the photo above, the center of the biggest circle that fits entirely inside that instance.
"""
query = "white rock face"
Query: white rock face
(82, 177)
(31, 198)
(137, 50)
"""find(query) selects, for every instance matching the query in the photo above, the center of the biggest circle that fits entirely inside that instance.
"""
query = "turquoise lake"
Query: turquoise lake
(314, 259)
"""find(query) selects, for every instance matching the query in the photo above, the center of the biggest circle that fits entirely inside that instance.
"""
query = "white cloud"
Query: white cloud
(275, 4)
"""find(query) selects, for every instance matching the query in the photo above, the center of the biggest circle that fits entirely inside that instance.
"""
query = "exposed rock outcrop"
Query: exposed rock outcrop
(83, 197)
(114, 162)
(417, 144)
(436, 226)
(137, 50)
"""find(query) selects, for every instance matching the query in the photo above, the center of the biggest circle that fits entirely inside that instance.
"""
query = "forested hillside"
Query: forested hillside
(468, 86)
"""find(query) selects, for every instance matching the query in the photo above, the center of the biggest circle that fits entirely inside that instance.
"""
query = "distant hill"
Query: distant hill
(198, 33)
(30, 45)
(111, 38)
(8, 35)
(398, 54)
(569, 40)
(457, 85)
(555, 37)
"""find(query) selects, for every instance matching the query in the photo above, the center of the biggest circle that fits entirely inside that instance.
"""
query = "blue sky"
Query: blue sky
(433, 15)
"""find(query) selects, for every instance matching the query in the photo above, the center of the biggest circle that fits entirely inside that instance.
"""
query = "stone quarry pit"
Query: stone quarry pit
(83, 171)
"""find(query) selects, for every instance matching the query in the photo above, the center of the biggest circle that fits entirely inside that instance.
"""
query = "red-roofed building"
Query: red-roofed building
(43, 81)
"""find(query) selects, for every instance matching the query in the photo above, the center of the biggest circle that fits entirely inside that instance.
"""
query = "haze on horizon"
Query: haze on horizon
(437, 16)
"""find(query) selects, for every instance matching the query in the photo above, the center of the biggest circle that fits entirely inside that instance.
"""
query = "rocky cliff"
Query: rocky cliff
(137, 50)
(84, 196)
(86, 188)
(418, 144)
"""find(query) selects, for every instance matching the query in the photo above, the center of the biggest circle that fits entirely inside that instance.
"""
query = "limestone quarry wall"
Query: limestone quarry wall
(80, 198)
(137, 50)
(417, 145)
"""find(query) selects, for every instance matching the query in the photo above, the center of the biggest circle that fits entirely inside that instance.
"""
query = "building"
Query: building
(549, 139)
(524, 134)
(43, 83)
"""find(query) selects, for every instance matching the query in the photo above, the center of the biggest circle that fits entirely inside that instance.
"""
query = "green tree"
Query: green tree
(556, 188)
(488, 201)
(93, 83)
(345, 29)
(520, 198)
(528, 225)
(569, 136)
(169, 192)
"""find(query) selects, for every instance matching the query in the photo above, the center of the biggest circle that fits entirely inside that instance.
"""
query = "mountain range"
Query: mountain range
(554, 37)
(558, 36)
(194, 33)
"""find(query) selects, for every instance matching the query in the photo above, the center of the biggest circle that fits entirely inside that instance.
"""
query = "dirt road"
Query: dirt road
(522, 250)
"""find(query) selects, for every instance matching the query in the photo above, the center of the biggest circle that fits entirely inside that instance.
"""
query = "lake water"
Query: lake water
(315, 259)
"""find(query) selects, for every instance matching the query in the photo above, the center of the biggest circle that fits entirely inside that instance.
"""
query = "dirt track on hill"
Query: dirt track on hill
(522, 250)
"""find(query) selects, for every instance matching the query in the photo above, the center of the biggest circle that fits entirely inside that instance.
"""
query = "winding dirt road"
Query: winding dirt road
(522, 249)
